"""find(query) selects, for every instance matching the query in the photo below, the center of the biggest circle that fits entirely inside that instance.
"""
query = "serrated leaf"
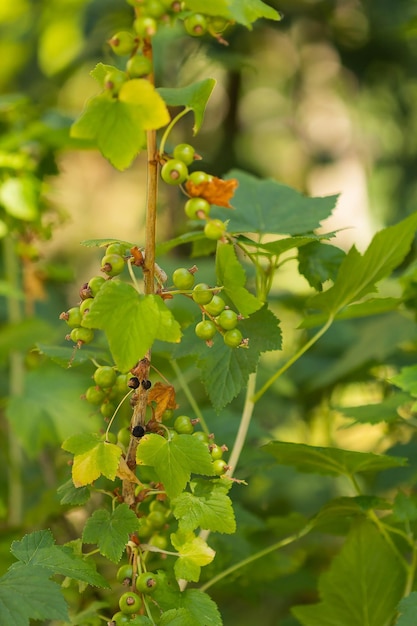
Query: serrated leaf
(208, 507)
(64, 355)
(231, 276)
(354, 591)
(408, 610)
(345, 508)
(193, 97)
(405, 507)
(384, 411)
(177, 617)
(39, 549)
(93, 457)
(284, 244)
(225, 371)
(131, 322)
(330, 461)
(174, 460)
(69, 494)
(319, 262)
(194, 554)
(101, 243)
(359, 274)
(26, 593)
(265, 206)
(242, 11)
(110, 531)
(406, 380)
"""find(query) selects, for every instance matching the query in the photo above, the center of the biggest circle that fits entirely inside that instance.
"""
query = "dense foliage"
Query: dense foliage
(196, 440)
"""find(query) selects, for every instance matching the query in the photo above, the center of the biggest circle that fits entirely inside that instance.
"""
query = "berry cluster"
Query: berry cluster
(108, 390)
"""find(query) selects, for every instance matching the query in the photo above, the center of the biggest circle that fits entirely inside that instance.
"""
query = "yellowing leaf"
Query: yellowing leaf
(93, 458)
(125, 473)
(194, 554)
(141, 93)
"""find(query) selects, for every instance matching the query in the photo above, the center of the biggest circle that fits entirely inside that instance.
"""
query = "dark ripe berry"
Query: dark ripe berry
(122, 43)
(205, 330)
(146, 583)
(197, 208)
(233, 338)
(95, 395)
(174, 172)
(184, 152)
(202, 294)
(85, 305)
(133, 382)
(95, 283)
(215, 306)
(138, 65)
(130, 603)
(125, 574)
(227, 319)
(214, 229)
(85, 292)
(183, 279)
(219, 467)
(183, 425)
(196, 25)
(72, 317)
(145, 26)
(138, 431)
(82, 335)
(199, 177)
(112, 264)
(105, 376)
(146, 384)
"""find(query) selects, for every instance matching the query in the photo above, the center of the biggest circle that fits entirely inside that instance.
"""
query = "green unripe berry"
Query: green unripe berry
(219, 467)
(122, 43)
(138, 65)
(157, 505)
(215, 306)
(156, 519)
(116, 248)
(199, 177)
(125, 574)
(214, 229)
(120, 385)
(202, 294)
(130, 603)
(159, 541)
(197, 208)
(183, 279)
(107, 409)
(183, 425)
(206, 330)
(174, 172)
(95, 283)
(85, 305)
(217, 24)
(227, 319)
(233, 338)
(154, 8)
(82, 335)
(146, 583)
(196, 25)
(95, 395)
(216, 452)
(167, 415)
(123, 437)
(184, 152)
(201, 436)
(114, 80)
(145, 26)
(120, 619)
(105, 376)
(72, 317)
(112, 264)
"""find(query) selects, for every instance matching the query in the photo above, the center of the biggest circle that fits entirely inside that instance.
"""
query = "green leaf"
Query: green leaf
(193, 97)
(194, 554)
(265, 206)
(20, 197)
(408, 610)
(225, 371)
(405, 507)
(110, 531)
(27, 593)
(174, 460)
(330, 461)
(69, 494)
(373, 306)
(363, 585)
(406, 380)
(384, 411)
(39, 549)
(242, 11)
(208, 507)
(50, 408)
(359, 274)
(319, 262)
(101, 70)
(20, 336)
(231, 275)
(345, 509)
(64, 355)
(280, 246)
(93, 457)
(177, 617)
(102, 243)
(131, 322)
(118, 125)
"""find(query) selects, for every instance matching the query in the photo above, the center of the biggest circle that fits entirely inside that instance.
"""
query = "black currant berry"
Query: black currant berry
(133, 382)
(138, 431)
(146, 384)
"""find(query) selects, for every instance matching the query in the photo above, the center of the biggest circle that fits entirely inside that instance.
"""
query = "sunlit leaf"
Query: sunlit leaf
(93, 457)
(231, 276)
(193, 97)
